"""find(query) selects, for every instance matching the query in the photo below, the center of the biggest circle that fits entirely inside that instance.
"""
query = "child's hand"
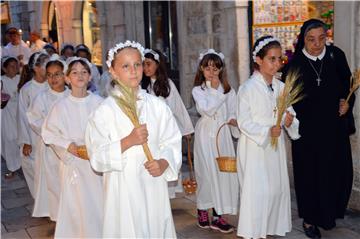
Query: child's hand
(275, 131)
(138, 136)
(27, 149)
(233, 122)
(343, 107)
(215, 82)
(73, 149)
(289, 118)
(156, 167)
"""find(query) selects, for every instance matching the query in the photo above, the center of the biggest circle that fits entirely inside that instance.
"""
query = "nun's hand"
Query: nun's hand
(343, 107)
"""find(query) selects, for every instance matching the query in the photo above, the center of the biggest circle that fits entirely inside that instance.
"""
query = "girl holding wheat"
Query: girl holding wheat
(133, 138)
(265, 206)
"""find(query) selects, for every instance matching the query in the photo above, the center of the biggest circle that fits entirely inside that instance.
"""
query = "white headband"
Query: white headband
(37, 56)
(211, 51)
(75, 58)
(154, 53)
(6, 58)
(114, 50)
(262, 44)
(56, 57)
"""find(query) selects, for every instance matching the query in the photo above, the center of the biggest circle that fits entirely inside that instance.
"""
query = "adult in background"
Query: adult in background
(322, 156)
(36, 43)
(16, 47)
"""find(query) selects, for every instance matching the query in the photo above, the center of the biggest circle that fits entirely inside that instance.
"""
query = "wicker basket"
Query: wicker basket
(82, 152)
(225, 163)
(189, 184)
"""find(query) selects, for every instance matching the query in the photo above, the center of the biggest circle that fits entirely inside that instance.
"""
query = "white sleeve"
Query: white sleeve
(208, 101)
(170, 144)
(231, 112)
(260, 134)
(23, 123)
(36, 114)
(177, 106)
(104, 152)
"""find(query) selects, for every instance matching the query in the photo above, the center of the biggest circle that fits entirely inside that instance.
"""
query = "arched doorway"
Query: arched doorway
(53, 25)
(91, 30)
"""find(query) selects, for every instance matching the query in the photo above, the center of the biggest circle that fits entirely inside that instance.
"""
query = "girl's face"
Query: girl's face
(68, 53)
(315, 40)
(11, 69)
(150, 67)
(127, 67)
(40, 71)
(78, 77)
(271, 62)
(55, 77)
(211, 71)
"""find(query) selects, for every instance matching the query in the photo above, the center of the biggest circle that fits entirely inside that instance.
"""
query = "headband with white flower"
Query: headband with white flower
(37, 56)
(114, 50)
(154, 53)
(261, 45)
(211, 51)
(75, 58)
(56, 57)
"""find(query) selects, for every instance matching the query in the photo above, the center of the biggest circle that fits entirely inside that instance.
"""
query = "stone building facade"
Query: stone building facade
(220, 25)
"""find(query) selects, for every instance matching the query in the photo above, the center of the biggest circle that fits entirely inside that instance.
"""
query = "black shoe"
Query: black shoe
(203, 219)
(312, 231)
(221, 225)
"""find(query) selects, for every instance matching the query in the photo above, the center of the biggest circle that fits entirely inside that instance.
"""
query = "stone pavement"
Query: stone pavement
(17, 203)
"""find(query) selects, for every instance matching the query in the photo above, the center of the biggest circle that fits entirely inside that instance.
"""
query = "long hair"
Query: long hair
(28, 72)
(212, 60)
(161, 86)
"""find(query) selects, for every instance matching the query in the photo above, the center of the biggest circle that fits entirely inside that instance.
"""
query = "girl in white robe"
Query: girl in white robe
(47, 164)
(9, 146)
(216, 103)
(137, 202)
(156, 83)
(265, 206)
(80, 206)
(27, 138)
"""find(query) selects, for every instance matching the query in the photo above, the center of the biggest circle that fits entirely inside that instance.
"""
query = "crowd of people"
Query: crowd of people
(86, 159)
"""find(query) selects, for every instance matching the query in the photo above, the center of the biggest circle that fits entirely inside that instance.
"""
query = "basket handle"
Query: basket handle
(217, 138)
(189, 158)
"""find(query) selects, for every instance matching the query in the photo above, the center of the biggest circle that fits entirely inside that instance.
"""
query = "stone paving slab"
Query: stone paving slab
(16, 235)
(43, 231)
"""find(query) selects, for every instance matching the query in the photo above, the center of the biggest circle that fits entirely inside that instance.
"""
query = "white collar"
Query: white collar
(314, 58)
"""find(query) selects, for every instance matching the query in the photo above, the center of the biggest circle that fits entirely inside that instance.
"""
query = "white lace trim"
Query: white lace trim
(262, 44)
(211, 51)
(114, 50)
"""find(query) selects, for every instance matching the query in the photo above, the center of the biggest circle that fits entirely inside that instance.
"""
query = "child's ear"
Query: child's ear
(67, 80)
(259, 61)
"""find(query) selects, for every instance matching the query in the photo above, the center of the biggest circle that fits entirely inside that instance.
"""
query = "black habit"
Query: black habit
(322, 160)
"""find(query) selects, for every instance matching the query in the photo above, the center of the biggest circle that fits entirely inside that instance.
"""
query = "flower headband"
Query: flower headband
(154, 53)
(211, 51)
(56, 57)
(75, 58)
(262, 44)
(6, 58)
(37, 56)
(114, 50)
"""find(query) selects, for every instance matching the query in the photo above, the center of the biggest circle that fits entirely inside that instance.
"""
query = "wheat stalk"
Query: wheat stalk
(354, 84)
(127, 103)
(290, 94)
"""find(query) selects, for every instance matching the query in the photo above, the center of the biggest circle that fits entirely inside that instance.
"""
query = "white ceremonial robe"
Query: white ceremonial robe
(25, 134)
(47, 166)
(219, 190)
(81, 197)
(136, 204)
(265, 206)
(16, 50)
(9, 146)
(183, 120)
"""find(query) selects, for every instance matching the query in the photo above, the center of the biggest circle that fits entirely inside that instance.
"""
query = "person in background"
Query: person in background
(36, 43)
(67, 50)
(16, 47)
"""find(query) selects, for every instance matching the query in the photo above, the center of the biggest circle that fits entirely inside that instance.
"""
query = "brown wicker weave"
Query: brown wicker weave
(225, 163)
(189, 184)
